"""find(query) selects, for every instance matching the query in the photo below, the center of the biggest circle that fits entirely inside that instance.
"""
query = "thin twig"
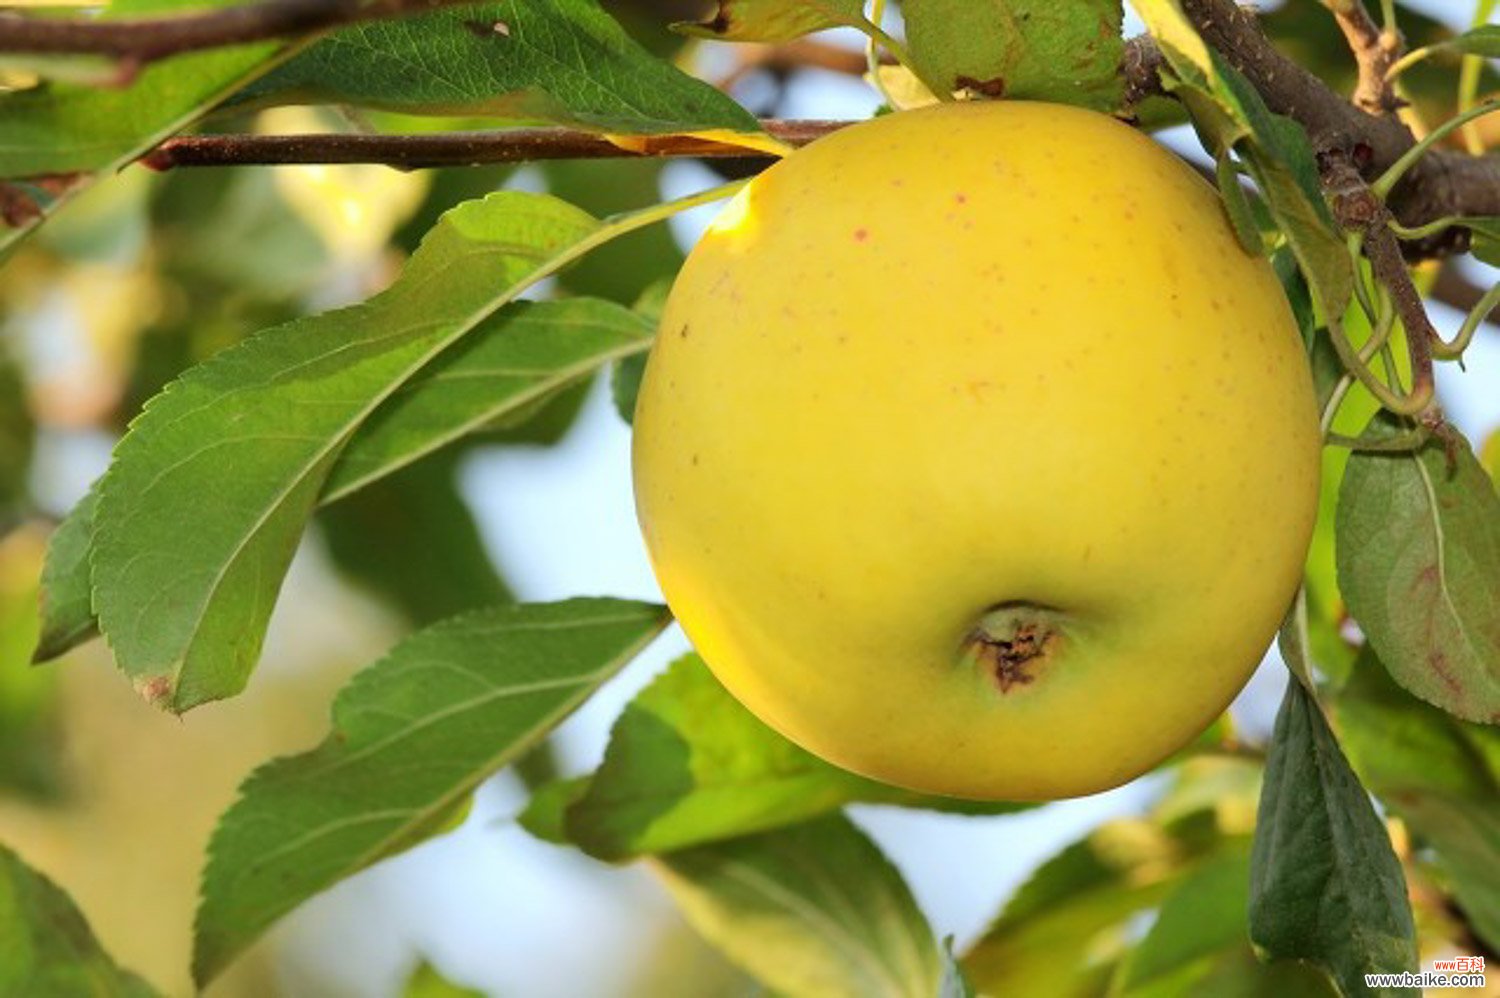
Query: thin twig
(423, 151)
(1455, 290)
(137, 41)
(1375, 50)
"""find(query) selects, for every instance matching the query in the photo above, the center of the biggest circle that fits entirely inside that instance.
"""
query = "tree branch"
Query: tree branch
(1444, 183)
(1374, 51)
(138, 41)
(416, 152)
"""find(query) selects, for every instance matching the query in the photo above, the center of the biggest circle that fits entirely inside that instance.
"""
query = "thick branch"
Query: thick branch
(1374, 52)
(1443, 183)
(414, 152)
(142, 40)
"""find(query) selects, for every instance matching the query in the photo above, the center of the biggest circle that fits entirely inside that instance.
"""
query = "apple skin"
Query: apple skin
(990, 355)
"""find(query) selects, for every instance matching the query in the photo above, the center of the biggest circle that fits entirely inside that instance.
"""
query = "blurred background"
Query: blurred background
(150, 273)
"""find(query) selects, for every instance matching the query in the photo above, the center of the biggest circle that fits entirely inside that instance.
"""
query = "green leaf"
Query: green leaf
(412, 736)
(17, 440)
(1483, 40)
(624, 269)
(1486, 239)
(1274, 149)
(66, 604)
(33, 749)
(1064, 930)
(625, 378)
(545, 813)
(80, 133)
(1200, 943)
(1418, 549)
(1027, 49)
(1325, 886)
(775, 20)
(430, 562)
(208, 494)
(686, 764)
(46, 946)
(426, 982)
(810, 910)
(564, 62)
(1441, 775)
(519, 357)
(1237, 205)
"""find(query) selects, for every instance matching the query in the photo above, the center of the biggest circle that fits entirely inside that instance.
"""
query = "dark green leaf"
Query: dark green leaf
(1441, 775)
(625, 385)
(1483, 40)
(47, 949)
(776, 20)
(72, 130)
(687, 764)
(559, 61)
(1325, 886)
(1418, 552)
(411, 539)
(66, 605)
(813, 911)
(1274, 149)
(625, 378)
(1029, 49)
(1237, 205)
(208, 495)
(546, 811)
(1079, 902)
(1486, 242)
(624, 268)
(17, 440)
(32, 748)
(1200, 943)
(412, 736)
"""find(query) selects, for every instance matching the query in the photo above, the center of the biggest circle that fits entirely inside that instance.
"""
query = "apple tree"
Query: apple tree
(497, 168)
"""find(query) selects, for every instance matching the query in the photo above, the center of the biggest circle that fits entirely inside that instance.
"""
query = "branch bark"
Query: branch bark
(1374, 52)
(416, 152)
(1444, 183)
(138, 41)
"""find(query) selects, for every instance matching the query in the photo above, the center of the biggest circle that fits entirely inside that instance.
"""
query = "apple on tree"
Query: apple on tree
(975, 454)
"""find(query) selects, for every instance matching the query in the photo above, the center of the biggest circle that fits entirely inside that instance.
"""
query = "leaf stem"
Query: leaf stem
(872, 53)
(1454, 349)
(1409, 60)
(1468, 79)
(1390, 178)
(1379, 340)
(879, 36)
(1431, 228)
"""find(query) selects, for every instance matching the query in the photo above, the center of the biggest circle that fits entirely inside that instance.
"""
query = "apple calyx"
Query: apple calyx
(1013, 642)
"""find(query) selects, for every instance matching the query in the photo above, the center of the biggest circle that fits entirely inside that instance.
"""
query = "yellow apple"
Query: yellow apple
(975, 455)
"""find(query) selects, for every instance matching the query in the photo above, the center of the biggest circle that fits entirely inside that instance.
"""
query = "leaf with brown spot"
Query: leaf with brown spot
(1026, 49)
(1418, 553)
(774, 20)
